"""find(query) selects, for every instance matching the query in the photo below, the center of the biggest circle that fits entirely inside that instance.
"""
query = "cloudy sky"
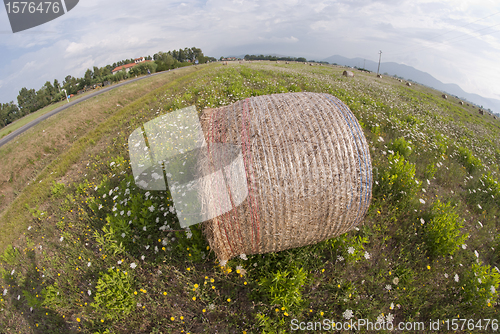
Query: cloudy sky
(456, 41)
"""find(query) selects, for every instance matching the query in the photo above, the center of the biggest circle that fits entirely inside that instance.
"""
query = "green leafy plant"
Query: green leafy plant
(350, 246)
(10, 255)
(285, 287)
(481, 285)
(37, 213)
(108, 241)
(269, 325)
(397, 183)
(32, 300)
(470, 162)
(430, 171)
(53, 298)
(401, 146)
(441, 229)
(114, 298)
(57, 189)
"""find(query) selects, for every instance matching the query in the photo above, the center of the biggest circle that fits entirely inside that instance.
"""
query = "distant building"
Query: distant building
(127, 67)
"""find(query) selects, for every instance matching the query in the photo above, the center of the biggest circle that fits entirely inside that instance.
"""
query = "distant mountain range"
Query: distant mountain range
(413, 74)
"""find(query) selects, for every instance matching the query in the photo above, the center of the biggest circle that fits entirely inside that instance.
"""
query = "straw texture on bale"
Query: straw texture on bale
(307, 166)
(348, 74)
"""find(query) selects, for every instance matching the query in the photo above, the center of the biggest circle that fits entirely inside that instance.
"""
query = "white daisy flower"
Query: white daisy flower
(348, 314)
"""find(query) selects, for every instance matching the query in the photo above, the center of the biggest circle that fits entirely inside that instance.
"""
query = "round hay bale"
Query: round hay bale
(307, 166)
(348, 74)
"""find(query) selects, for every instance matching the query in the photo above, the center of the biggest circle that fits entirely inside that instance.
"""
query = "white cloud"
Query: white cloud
(75, 48)
(274, 39)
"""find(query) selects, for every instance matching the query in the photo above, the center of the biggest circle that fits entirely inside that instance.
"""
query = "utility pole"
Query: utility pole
(380, 56)
(364, 64)
(66, 94)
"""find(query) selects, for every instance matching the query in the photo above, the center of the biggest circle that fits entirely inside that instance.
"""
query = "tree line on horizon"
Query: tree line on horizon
(281, 58)
(31, 100)
(274, 58)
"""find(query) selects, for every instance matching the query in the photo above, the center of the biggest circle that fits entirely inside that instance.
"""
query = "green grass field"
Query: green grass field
(89, 252)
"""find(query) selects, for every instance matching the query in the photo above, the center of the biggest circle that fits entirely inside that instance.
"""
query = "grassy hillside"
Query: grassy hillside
(92, 253)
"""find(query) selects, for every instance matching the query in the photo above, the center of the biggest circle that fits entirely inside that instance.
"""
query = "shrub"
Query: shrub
(108, 241)
(470, 162)
(397, 183)
(53, 299)
(481, 285)
(114, 297)
(442, 230)
(57, 189)
(285, 287)
(401, 146)
(10, 255)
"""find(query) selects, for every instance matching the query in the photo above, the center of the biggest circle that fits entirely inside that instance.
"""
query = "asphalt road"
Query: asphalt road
(31, 124)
